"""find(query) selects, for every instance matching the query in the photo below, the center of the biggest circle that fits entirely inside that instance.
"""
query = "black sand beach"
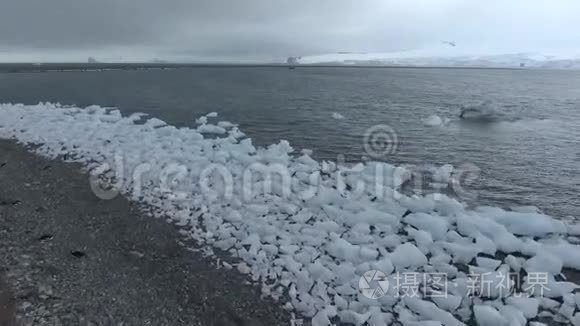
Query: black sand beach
(71, 258)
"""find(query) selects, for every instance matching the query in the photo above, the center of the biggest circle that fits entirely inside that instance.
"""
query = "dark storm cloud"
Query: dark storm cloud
(204, 27)
(277, 28)
(82, 23)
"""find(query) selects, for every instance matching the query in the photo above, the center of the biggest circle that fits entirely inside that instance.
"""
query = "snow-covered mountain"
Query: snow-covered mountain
(454, 57)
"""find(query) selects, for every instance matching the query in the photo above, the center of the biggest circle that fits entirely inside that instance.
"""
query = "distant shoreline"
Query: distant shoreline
(46, 67)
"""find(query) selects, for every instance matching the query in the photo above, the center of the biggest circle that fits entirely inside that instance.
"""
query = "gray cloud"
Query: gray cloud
(271, 29)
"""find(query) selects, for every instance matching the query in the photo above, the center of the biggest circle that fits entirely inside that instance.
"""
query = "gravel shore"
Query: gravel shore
(70, 258)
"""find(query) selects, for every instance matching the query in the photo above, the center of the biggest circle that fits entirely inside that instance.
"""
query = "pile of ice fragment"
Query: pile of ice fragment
(309, 230)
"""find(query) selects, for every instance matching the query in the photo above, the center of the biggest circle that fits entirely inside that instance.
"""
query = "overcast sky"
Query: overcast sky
(271, 30)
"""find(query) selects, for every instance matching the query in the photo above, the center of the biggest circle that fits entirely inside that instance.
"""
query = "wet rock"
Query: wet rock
(10, 202)
(45, 237)
(78, 254)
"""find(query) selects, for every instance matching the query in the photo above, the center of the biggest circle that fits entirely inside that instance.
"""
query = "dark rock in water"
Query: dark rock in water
(10, 203)
(45, 237)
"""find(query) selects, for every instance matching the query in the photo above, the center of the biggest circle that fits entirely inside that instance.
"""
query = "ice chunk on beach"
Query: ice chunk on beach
(321, 319)
(462, 253)
(576, 319)
(488, 316)
(488, 263)
(436, 226)
(528, 306)
(448, 302)
(527, 223)
(211, 129)
(429, 311)
(201, 120)
(544, 262)
(443, 174)
(568, 253)
(154, 122)
(295, 227)
(226, 124)
(515, 264)
(407, 255)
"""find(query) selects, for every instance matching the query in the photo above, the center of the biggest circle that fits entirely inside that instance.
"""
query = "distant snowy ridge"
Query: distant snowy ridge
(313, 247)
(452, 57)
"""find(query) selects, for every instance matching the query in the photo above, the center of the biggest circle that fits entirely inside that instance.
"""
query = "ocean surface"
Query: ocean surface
(525, 151)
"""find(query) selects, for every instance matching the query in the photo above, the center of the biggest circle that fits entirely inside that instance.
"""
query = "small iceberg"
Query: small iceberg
(337, 116)
(483, 112)
(435, 120)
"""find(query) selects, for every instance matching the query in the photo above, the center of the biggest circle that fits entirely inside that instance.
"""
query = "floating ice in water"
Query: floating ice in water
(435, 120)
(211, 129)
(226, 124)
(206, 128)
(309, 230)
(337, 116)
(201, 120)
(306, 152)
(483, 112)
